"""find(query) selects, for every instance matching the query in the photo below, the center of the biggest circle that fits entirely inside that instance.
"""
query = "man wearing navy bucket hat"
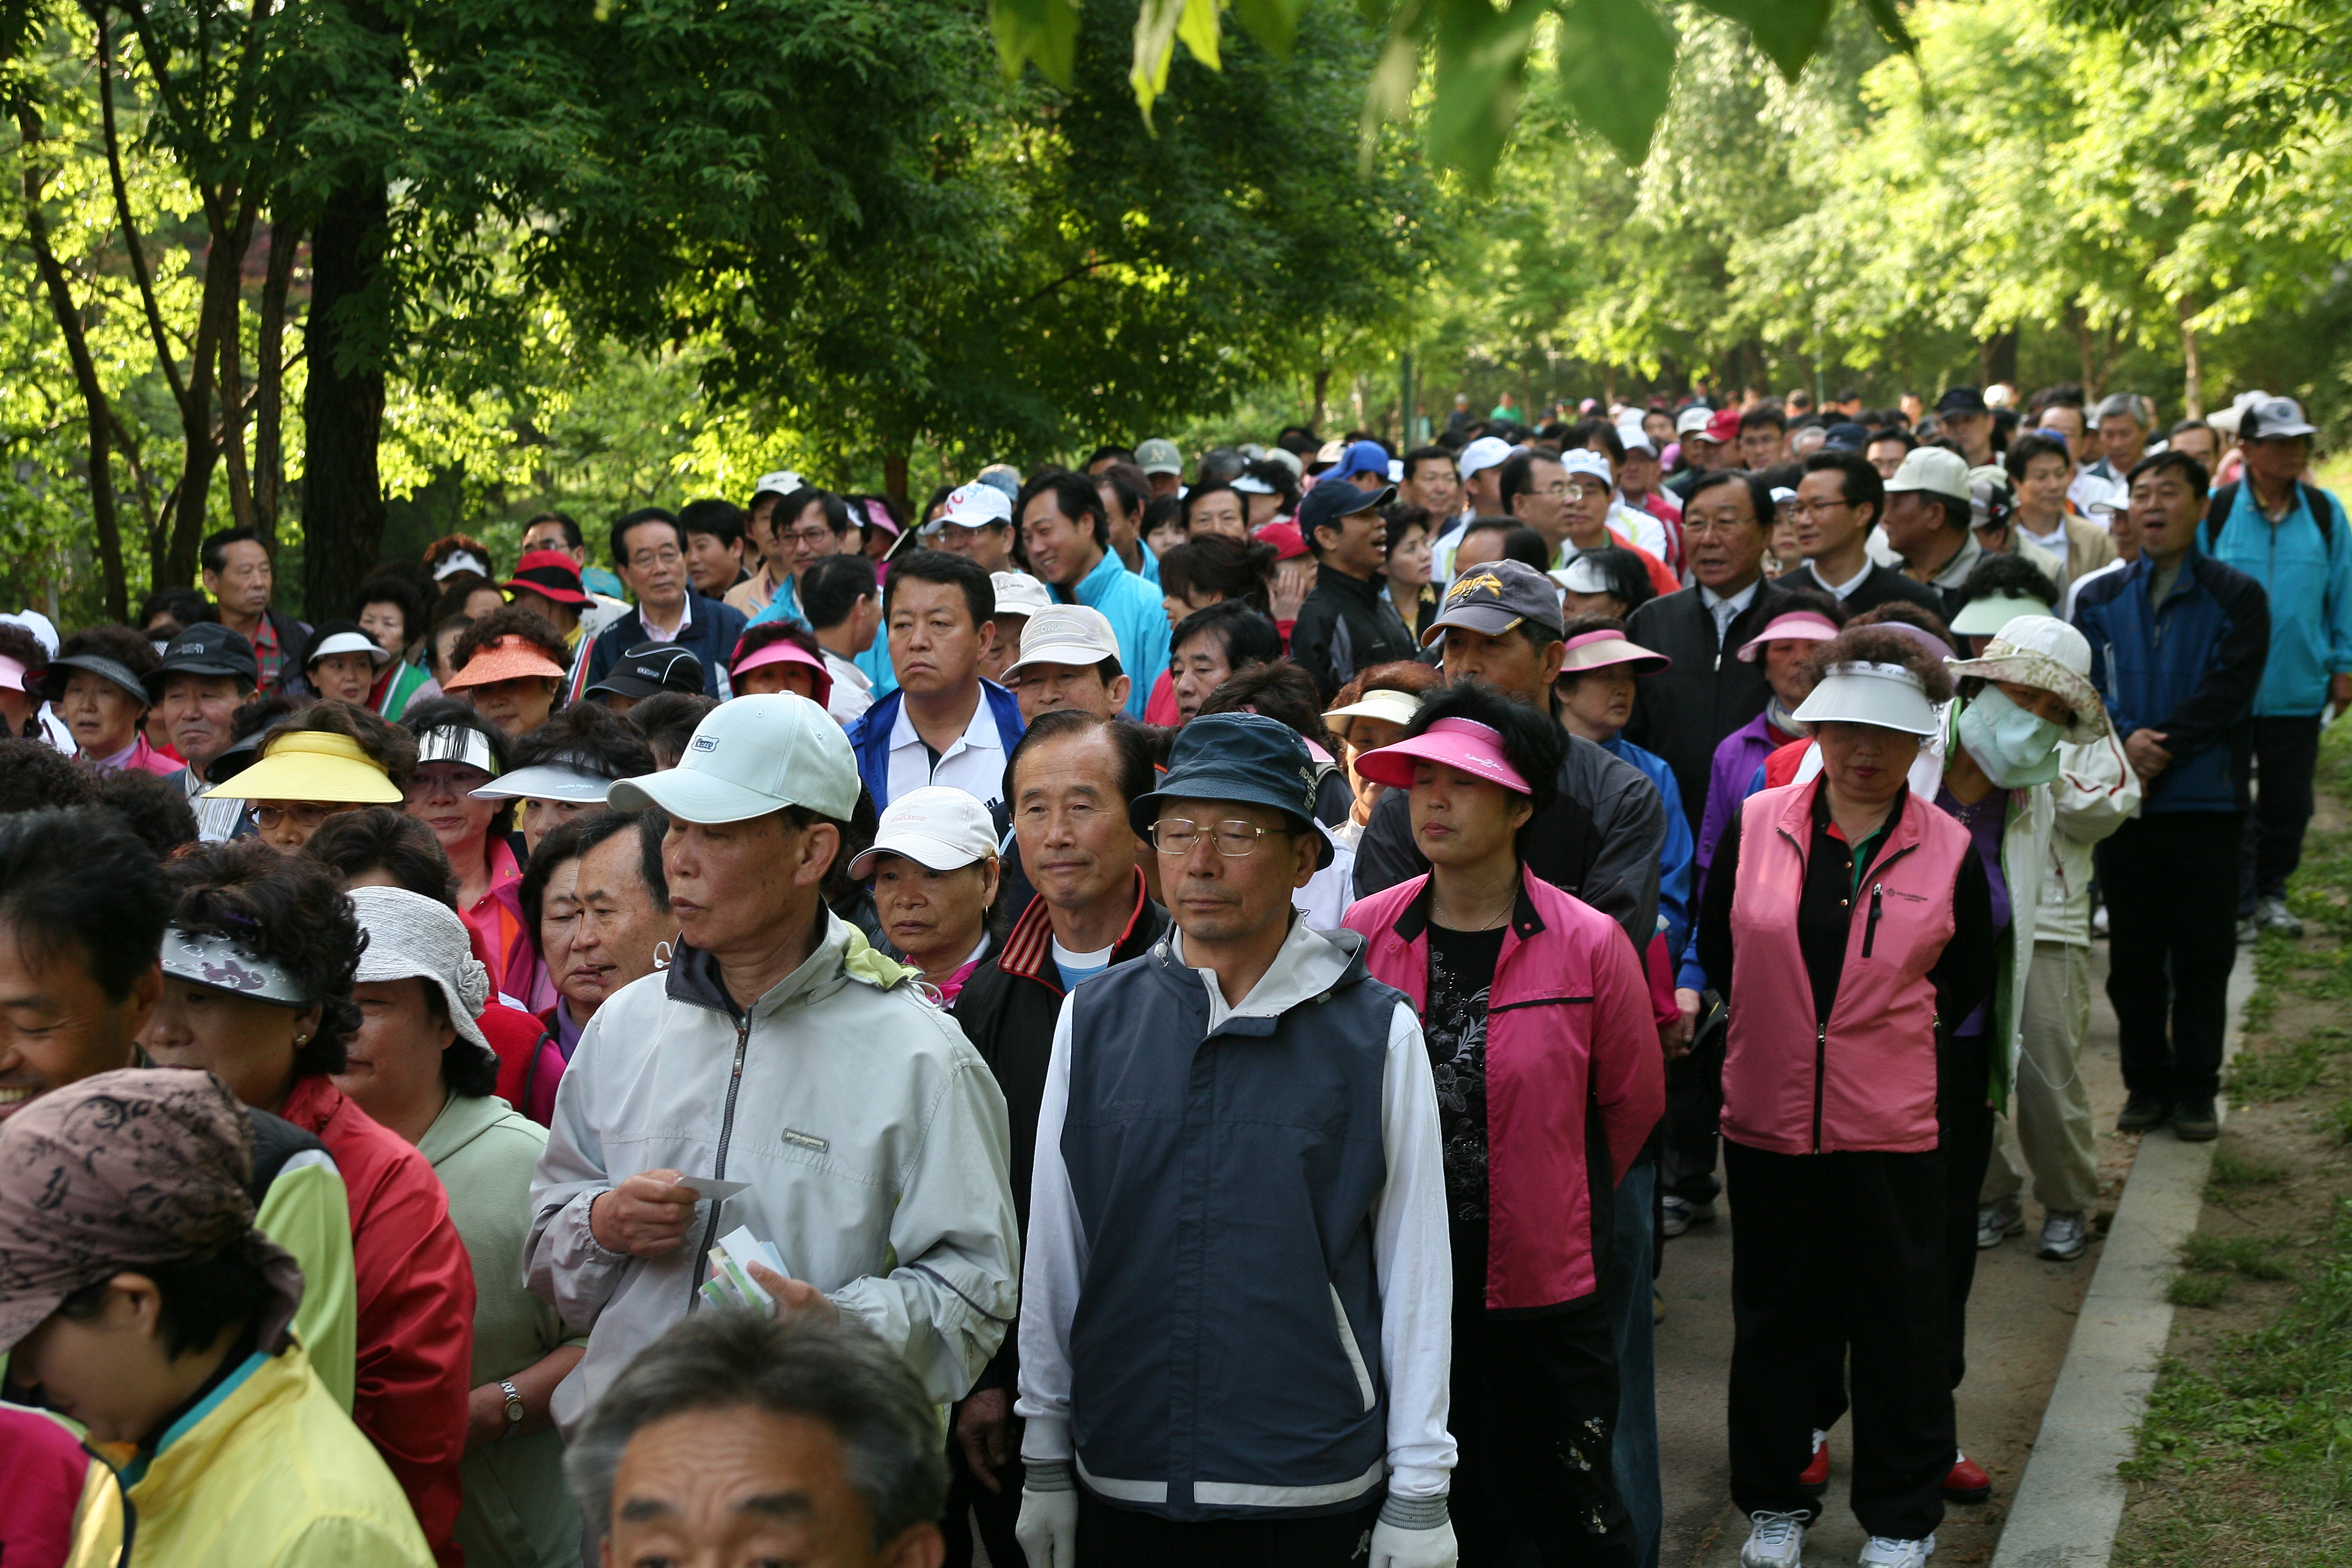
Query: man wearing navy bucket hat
(1238, 1291)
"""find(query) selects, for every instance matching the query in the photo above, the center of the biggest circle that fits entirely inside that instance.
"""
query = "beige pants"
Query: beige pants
(2052, 1128)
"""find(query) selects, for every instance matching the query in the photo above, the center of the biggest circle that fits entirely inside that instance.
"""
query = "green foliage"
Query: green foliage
(2233, 1170)
(2197, 1289)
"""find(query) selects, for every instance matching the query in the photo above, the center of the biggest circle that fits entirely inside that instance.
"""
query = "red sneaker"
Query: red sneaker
(1815, 1479)
(1966, 1482)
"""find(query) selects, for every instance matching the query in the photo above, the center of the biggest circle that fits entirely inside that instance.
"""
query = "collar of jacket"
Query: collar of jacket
(183, 1452)
(1364, 589)
(1090, 588)
(463, 1119)
(1809, 808)
(841, 955)
(1413, 918)
(1309, 966)
(1028, 950)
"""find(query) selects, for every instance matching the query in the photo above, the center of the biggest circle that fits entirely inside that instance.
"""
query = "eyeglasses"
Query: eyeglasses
(1585, 492)
(668, 555)
(811, 537)
(1234, 840)
(306, 815)
(1703, 526)
(1807, 507)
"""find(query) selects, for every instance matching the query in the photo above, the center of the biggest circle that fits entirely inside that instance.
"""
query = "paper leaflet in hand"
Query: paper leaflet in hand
(730, 1283)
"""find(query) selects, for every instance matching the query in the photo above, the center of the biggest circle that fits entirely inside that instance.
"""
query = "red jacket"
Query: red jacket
(1568, 1031)
(415, 1351)
(1867, 1080)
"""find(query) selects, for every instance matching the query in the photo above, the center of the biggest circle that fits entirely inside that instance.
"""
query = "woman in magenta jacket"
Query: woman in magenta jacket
(1539, 1026)
(1848, 925)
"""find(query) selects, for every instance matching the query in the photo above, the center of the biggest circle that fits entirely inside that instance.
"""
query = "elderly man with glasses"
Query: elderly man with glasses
(649, 549)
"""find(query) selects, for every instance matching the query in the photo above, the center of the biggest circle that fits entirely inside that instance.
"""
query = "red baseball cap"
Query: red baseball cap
(1724, 428)
(1288, 544)
(550, 574)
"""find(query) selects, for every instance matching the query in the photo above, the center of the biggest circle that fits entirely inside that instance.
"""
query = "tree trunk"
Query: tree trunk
(2192, 397)
(342, 407)
(1608, 387)
(894, 483)
(269, 380)
(97, 410)
(234, 407)
(2082, 326)
(1315, 415)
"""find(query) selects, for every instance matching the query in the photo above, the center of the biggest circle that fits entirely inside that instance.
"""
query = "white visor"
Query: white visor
(548, 781)
(1886, 695)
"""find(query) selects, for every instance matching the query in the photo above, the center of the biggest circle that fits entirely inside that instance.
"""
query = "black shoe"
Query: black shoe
(2142, 1112)
(2195, 1121)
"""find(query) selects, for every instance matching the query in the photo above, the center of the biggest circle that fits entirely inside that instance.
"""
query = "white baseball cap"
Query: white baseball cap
(1585, 461)
(1074, 635)
(782, 482)
(1933, 470)
(1693, 421)
(935, 827)
(1485, 452)
(1018, 594)
(974, 505)
(1631, 435)
(750, 757)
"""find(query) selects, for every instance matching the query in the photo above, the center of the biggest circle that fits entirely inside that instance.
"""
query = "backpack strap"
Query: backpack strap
(2218, 507)
(2322, 514)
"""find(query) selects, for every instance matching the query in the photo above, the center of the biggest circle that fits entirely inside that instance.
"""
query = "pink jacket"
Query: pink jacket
(1568, 1030)
(1867, 1081)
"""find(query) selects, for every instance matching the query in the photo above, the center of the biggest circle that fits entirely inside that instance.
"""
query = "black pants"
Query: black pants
(1114, 1537)
(1694, 1111)
(995, 1511)
(1852, 1245)
(1535, 1409)
(2171, 884)
(2286, 754)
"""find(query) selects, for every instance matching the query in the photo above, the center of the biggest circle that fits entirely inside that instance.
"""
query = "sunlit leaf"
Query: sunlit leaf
(1158, 24)
(1273, 22)
(1481, 66)
(1787, 31)
(1040, 32)
(1616, 62)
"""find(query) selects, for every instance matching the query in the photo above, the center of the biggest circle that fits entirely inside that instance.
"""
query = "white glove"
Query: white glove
(1047, 1528)
(1399, 1546)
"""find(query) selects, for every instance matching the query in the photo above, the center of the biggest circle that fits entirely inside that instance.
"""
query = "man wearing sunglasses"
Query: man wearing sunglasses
(1237, 1292)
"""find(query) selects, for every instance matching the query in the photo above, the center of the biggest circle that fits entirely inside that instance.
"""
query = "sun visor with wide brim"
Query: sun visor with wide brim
(508, 658)
(1396, 706)
(1886, 695)
(1600, 649)
(548, 781)
(55, 675)
(1984, 617)
(311, 765)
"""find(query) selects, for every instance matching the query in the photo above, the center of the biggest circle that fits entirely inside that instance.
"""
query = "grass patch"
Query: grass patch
(2287, 1068)
(2248, 1255)
(2233, 1172)
(2197, 1289)
(2336, 1123)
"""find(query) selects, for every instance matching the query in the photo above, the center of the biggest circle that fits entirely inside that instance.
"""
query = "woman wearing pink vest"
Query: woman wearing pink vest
(1539, 1027)
(1849, 926)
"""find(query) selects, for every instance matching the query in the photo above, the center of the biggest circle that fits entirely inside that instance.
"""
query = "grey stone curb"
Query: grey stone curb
(2071, 1500)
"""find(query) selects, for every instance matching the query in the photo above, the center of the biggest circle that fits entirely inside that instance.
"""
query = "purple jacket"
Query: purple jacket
(1737, 759)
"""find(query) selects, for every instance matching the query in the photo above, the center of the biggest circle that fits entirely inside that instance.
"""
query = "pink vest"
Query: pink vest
(1569, 1032)
(1868, 1080)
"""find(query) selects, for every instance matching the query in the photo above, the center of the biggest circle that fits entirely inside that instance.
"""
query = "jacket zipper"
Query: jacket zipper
(1870, 932)
(1821, 1072)
(718, 1167)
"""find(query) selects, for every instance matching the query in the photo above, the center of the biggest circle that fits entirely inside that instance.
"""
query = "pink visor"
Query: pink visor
(12, 674)
(1796, 625)
(781, 652)
(1461, 743)
(1596, 650)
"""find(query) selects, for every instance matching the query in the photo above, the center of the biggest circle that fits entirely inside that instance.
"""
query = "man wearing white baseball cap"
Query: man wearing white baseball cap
(1481, 469)
(1927, 522)
(780, 1076)
(1018, 596)
(1069, 659)
(976, 525)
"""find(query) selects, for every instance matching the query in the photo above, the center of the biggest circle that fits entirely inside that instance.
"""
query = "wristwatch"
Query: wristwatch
(514, 1407)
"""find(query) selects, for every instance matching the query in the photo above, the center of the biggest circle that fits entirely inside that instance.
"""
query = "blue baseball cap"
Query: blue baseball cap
(1363, 458)
(1244, 757)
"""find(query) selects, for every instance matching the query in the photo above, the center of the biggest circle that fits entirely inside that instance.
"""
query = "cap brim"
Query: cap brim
(1492, 620)
(693, 797)
(1144, 809)
(933, 853)
(21, 1314)
(307, 776)
(155, 678)
(631, 686)
(548, 782)
(59, 670)
(1068, 654)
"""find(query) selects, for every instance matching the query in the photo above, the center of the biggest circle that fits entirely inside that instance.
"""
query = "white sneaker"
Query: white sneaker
(2064, 1236)
(1884, 1551)
(1774, 1541)
(1996, 1222)
(1678, 1214)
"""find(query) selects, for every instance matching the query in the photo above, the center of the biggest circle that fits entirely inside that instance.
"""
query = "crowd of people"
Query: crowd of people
(849, 1035)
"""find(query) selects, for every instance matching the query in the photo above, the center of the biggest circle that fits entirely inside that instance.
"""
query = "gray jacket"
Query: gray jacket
(874, 1137)
(1600, 840)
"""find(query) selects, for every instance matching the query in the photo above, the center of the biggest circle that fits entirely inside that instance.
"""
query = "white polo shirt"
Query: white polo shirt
(974, 764)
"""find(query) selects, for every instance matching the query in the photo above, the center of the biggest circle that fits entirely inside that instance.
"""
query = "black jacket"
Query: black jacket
(1683, 713)
(1344, 629)
(709, 636)
(1880, 585)
(1600, 840)
(1008, 1008)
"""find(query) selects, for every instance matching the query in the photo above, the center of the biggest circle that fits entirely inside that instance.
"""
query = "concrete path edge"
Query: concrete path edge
(2070, 1502)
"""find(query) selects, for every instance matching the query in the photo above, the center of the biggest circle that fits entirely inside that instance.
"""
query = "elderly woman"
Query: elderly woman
(564, 768)
(1849, 925)
(509, 666)
(933, 868)
(1785, 646)
(328, 758)
(138, 1297)
(343, 663)
(258, 966)
(460, 751)
(420, 1066)
(1373, 710)
(97, 684)
(779, 655)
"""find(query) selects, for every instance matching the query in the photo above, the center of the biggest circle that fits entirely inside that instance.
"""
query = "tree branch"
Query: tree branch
(139, 271)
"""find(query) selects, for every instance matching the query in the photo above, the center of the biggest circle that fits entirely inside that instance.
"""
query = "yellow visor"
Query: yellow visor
(311, 765)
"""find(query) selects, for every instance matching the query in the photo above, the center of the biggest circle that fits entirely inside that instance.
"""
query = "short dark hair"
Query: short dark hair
(37, 776)
(2182, 428)
(396, 592)
(591, 738)
(1518, 478)
(1248, 637)
(1764, 415)
(1279, 690)
(1584, 432)
(835, 510)
(668, 719)
(1533, 742)
(644, 514)
(720, 519)
(1859, 484)
(1207, 487)
(1759, 494)
(1217, 563)
(198, 1298)
(950, 570)
(832, 586)
(572, 534)
(1629, 579)
(1895, 433)
(1130, 485)
(188, 607)
(569, 840)
(1427, 455)
(287, 908)
(1131, 743)
(80, 882)
(1074, 496)
(1487, 522)
(156, 810)
(1108, 450)
(390, 746)
(1524, 545)
(213, 555)
(2029, 445)
(378, 839)
(2191, 470)
(2007, 574)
